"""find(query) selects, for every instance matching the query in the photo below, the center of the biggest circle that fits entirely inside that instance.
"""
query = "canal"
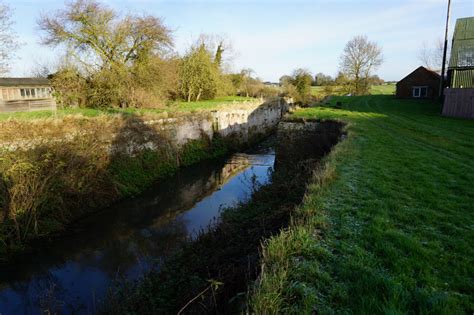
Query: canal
(74, 272)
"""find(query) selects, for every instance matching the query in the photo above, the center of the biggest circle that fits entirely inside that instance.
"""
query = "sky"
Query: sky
(271, 37)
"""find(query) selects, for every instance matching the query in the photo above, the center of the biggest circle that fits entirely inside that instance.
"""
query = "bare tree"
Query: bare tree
(431, 56)
(359, 58)
(97, 36)
(219, 46)
(8, 42)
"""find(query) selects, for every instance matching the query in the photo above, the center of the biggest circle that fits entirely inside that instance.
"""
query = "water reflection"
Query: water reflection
(73, 273)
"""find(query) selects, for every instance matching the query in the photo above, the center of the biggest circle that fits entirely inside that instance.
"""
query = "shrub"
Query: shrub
(45, 187)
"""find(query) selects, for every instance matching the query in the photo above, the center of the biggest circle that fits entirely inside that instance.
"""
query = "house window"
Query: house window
(22, 93)
(420, 91)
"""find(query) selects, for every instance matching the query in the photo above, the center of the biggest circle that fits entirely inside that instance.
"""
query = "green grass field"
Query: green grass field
(319, 91)
(388, 225)
(90, 112)
(388, 89)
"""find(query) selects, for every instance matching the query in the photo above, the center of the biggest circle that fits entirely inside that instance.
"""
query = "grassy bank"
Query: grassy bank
(387, 225)
(176, 107)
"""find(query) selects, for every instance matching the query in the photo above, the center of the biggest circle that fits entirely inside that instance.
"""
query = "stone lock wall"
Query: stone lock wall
(241, 122)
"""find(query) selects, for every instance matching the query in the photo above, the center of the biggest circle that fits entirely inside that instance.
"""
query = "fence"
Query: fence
(459, 103)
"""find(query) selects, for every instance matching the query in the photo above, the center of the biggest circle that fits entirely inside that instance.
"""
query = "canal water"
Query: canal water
(73, 273)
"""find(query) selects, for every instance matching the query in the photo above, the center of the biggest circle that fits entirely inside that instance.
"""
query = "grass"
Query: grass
(319, 91)
(90, 112)
(388, 89)
(387, 226)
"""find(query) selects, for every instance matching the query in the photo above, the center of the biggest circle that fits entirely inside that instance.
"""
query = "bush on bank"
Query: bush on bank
(48, 184)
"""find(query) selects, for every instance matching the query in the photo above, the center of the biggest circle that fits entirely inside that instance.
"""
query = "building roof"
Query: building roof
(434, 74)
(23, 81)
(463, 41)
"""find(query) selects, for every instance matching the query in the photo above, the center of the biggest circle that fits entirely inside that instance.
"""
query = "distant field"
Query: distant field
(388, 89)
(90, 112)
(319, 91)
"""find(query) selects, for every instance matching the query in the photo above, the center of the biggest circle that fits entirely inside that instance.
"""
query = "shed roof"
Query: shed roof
(23, 81)
(463, 40)
(432, 73)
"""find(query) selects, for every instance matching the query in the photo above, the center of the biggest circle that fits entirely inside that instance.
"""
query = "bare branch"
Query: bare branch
(8, 39)
(431, 56)
(91, 29)
(358, 60)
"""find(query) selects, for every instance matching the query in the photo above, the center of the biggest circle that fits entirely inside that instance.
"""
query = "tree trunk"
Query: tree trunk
(189, 96)
(199, 95)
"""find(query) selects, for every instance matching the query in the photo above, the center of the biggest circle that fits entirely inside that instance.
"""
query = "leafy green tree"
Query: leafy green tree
(237, 82)
(285, 79)
(321, 79)
(198, 75)
(115, 55)
(219, 53)
(341, 79)
(375, 80)
(70, 88)
(301, 80)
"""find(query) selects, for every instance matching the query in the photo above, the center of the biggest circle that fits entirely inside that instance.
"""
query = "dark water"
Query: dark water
(73, 273)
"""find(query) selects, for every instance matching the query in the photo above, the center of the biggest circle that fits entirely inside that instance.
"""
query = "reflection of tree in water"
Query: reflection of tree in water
(249, 179)
(45, 291)
(135, 253)
(129, 238)
(113, 241)
(254, 182)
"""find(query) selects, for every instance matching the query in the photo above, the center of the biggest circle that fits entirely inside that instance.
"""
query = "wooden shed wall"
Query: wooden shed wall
(461, 78)
(27, 105)
(419, 77)
(459, 103)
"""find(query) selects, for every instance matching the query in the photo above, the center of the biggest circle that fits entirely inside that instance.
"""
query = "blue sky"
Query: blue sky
(273, 37)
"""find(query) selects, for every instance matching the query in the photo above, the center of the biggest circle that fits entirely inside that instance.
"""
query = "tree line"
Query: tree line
(359, 59)
(117, 60)
(124, 60)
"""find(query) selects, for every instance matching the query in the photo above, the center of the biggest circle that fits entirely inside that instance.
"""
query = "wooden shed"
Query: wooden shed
(459, 96)
(25, 94)
(420, 84)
